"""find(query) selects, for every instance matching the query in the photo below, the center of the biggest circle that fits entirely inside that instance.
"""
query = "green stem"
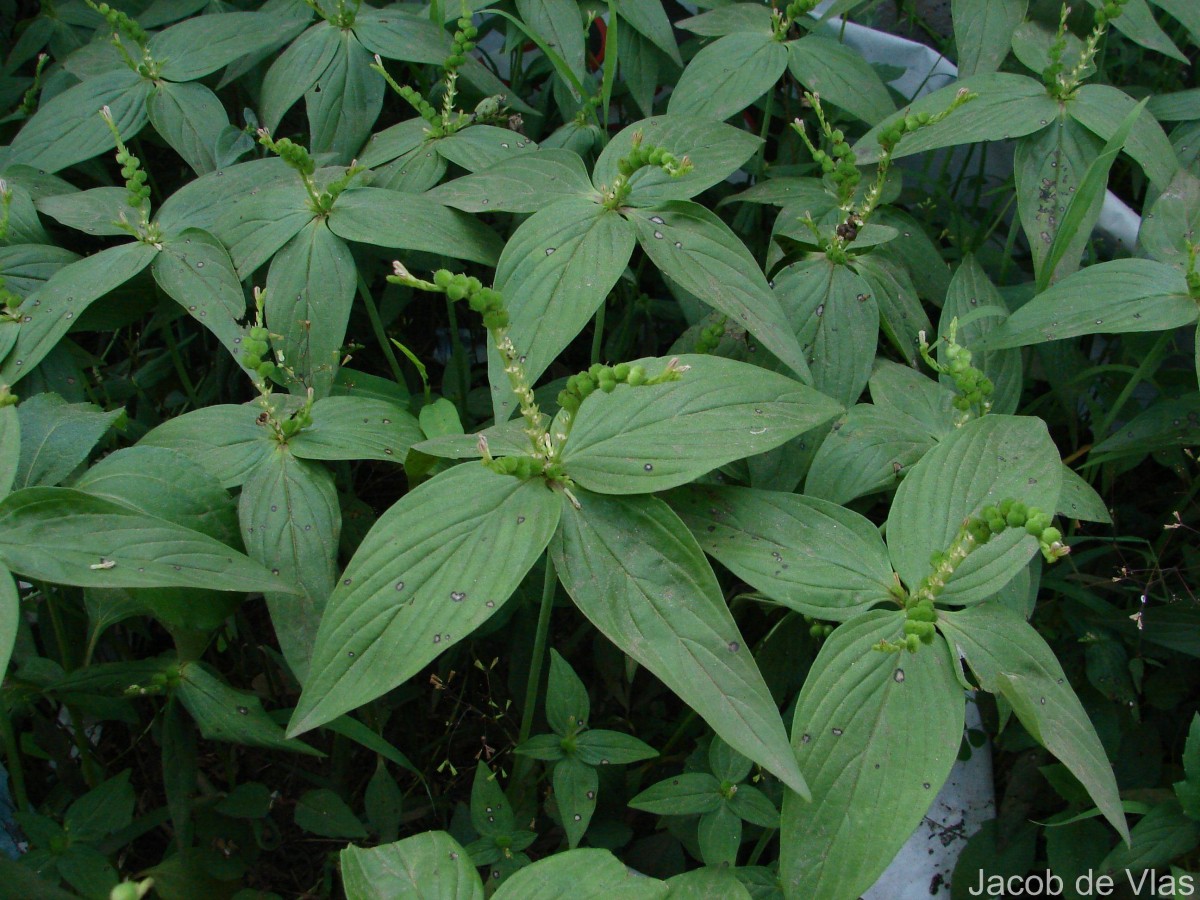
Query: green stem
(177, 362)
(536, 660)
(459, 351)
(1149, 361)
(12, 753)
(598, 334)
(380, 334)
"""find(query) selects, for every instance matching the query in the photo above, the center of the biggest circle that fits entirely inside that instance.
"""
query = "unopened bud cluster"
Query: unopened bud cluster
(598, 378)
(295, 155)
(464, 43)
(838, 162)
(255, 350)
(123, 24)
(973, 388)
(993, 520)
(136, 191)
(710, 336)
(640, 156)
(1112, 9)
(818, 631)
(890, 136)
(483, 300)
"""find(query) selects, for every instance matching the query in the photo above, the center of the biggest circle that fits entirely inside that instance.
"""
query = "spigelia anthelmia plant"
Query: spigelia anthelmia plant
(553, 447)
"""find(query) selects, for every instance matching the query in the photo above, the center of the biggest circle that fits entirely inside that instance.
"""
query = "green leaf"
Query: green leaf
(106, 808)
(1163, 834)
(199, 46)
(429, 866)
(261, 221)
(726, 763)
(753, 806)
(324, 813)
(715, 149)
(491, 813)
(10, 619)
(310, 290)
(96, 212)
(56, 437)
(652, 437)
(840, 76)
(719, 834)
(546, 747)
(1186, 13)
(836, 318)
(357, 428)
(695, 249)
(1187, 790)
(860, 711)
(291, 521)
(195, 270)
(400, 603)
(586, 874)
(521, 184)
(559, 24)
(48, 313)
(1168, 422)
(575, 787)
(396, 34)
(383, 803)
(1078, 500)
(985, 461)
(1010, 658)
(729, 19)
(600, 747)
(971, 290)
(728, 75)
(1008, 106)
(1136, 22)
(397, 220)
(1173, 216)
(901, 316)
(480, 146)
(202, 202)
(641, 69)
(567, 705)
(650, 20)
(1124, 295)
(345, 100)
(396, 141)
(555, 270)
(225, 440)
(27, 267)
(69, 537)
(249, 800)
(223, 713)
(190, 118)
(10, 447)
(68, 129)
(164, 483)
(296, 70)
(983, 32)
(634, 570)
(87, 870)
(1102, 108)
(806, 554)
(688, 794)
(709, 883)
(1050, 167)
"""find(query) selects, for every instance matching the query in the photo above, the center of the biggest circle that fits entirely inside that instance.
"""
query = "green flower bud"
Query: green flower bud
(621, 372)
(637, 376)
(1051, 535)
(251, 360)
(443, 277)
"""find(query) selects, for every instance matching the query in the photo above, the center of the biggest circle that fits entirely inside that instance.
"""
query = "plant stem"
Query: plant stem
(536, 660)
(177, 361)
(12, 753)
(459, 351)
(380, 335)
(598, 334)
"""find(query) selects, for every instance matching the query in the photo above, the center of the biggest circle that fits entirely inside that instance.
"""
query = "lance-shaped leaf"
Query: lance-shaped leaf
(164, 483)
(68, 129)
(48, 313)
(695, 249)
(96, 212)
(195, 270)
(809, 555)
(585, 874)
(840, 76)
(428, 866)
(296, 70)
(728, 75)
(56, 437)
(395, 34)
(71, 537)
(575, 787)
(635, 571)
(310, 289)
(291, 521)
(10, 618)
(523, 184)
(836, 318)
(555, 270)
(983, 32)
(1173, 217)
(199, 46)
(1010, 658)
(433, 568)
(651, 437)
(1124, 295)
(876, 734)
(257, 224)
(985, 461)
(867, 450)
(190, 118)
(411, 222)
(481, 146)
(224, 713)
(224, 439)
(1102, 108)
(357, 428)
(27, 267)
(1008, 106)
(901, 316)
(345, 100)
(10, 447)
(715, 149)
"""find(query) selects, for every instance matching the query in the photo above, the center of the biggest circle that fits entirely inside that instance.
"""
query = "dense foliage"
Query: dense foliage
(452, 450)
